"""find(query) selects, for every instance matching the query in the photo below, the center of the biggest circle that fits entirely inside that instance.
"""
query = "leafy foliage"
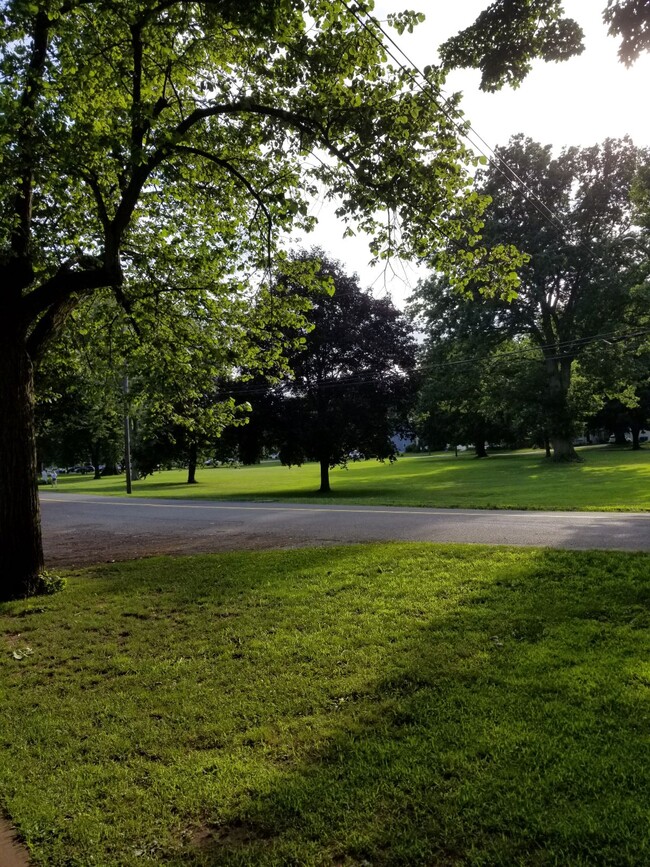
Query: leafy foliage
(572, 216)
(506, 38)
(165, 148)
(156, 107)
(349, 389)
(629, 19)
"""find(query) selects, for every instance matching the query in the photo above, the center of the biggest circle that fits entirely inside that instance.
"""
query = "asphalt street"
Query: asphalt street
(84, 529)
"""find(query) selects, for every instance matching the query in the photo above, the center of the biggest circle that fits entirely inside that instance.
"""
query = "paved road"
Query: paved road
(85, 529)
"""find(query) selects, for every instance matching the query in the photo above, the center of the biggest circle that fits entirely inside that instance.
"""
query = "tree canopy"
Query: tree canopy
(572, 215)
(507, 36)
(168, 145)
(349, 388)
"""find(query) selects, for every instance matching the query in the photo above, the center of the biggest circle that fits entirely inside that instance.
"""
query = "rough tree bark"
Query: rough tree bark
(21, 550)
(479, 442)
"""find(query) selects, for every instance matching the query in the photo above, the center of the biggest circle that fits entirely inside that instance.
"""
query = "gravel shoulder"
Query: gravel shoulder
(69, 550)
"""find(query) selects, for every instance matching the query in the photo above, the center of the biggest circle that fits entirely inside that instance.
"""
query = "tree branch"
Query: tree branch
(48, 325)
(64, 284)
(35, 69)
(93, 183)
(240, 177)
(138, 127)
(303, 123)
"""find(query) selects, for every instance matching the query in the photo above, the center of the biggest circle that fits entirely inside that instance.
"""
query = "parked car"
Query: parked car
(644, 436)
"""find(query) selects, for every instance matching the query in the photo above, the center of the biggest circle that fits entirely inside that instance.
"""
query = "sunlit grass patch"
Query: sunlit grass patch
(394, 704)
(609, 479)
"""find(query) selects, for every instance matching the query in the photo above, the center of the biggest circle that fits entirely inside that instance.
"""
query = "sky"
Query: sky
(580, 102)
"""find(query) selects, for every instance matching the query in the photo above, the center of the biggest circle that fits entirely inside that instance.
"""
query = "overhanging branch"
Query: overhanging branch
(228, 166)
(64, 284)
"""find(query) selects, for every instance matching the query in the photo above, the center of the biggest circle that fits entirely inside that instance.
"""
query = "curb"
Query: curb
(12, 852)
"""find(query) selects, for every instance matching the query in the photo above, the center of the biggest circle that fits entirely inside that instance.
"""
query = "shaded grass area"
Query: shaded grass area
(609, 479)
(395, 704)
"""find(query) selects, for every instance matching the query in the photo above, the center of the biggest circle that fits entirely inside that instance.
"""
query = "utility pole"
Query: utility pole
(127, 435)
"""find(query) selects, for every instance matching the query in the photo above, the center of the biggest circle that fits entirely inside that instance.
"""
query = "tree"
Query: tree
(621, 366)
(479, 380)
(460, 339)
(260, 434)
(161, 362)
(349, 389)
(515, 396)
(79, 412)
(572, 215)
(507, 36)
(618, 417)
(142, 140)
(585, 254)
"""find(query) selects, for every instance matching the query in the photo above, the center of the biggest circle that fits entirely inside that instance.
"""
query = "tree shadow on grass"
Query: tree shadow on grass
(390, 704)
(508, 729)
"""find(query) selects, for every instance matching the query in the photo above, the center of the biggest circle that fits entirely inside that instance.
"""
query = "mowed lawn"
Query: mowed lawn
(370, 705)
(608, 479)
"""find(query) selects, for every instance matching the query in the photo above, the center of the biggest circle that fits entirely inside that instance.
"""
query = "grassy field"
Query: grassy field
(608, 479)
(384, 705)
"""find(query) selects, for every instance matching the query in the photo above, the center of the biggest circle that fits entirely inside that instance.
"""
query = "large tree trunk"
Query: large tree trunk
(563, 449)
(21, 549)
(635, 427)
(479, 441)
(191, 467)
(324, 476)
(560, 420)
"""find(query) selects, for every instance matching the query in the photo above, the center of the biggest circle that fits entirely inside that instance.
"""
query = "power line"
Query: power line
(563, 349)
(578, 343)
(510, 174)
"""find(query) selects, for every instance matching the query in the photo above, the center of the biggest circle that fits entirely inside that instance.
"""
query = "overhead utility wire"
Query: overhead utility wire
(577, 342)
(522, 353)
(511, 175)
(354, 379)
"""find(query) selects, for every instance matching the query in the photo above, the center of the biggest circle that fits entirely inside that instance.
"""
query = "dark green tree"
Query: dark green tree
(260, 434)
(349, 389)
(620, 365)
(460, 338)
(480, 380)
(79, 415)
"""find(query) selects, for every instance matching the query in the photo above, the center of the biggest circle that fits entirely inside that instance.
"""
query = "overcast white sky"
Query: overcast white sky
(579, 102)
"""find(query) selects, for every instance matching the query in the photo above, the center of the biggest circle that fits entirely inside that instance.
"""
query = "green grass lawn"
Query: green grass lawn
(384, 705)
(609, 479)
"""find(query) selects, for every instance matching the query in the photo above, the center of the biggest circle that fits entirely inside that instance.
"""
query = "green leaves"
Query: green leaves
(191, 124)
(405, 21)
(506, 37)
